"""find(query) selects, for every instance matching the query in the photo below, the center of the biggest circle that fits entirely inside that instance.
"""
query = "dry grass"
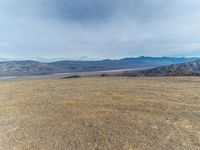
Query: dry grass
(100, 113)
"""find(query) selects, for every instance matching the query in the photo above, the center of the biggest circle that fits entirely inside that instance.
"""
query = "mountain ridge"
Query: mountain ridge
(180, 69)
(31, 67)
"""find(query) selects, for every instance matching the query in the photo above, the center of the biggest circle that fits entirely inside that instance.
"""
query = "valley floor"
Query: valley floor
(100, 113)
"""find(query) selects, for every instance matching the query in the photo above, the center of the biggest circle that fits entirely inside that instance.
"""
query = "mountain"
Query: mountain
(27, 68)
(22, 68)
(182, 69)
(74, 66)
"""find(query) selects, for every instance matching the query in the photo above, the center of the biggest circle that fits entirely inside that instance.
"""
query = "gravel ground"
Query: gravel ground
(100, 114)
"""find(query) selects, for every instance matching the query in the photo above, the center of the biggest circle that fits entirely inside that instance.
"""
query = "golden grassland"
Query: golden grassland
(100, 113)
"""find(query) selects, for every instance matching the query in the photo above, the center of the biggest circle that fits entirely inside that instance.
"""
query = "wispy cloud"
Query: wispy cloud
(99, 29)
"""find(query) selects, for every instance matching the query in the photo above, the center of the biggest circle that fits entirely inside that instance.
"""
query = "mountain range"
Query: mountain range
(29, 68)
(182, 69)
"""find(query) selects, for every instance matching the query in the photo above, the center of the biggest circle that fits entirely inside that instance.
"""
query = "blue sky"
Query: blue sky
(98, 29)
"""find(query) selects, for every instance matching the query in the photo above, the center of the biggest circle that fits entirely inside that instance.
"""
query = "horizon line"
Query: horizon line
(49, 60)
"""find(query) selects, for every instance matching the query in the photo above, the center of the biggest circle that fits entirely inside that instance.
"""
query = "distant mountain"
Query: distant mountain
(182, 69)
(27, 68)
(22, 68)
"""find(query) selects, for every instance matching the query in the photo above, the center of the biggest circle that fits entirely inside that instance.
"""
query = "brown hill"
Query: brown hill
(182, 69)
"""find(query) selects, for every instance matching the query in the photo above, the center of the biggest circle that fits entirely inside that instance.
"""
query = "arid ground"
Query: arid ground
(96, 113)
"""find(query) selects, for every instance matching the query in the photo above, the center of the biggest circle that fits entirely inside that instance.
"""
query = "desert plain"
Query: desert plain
(100, 113)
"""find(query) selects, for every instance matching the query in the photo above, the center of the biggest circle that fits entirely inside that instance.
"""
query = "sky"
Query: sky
(99, 29)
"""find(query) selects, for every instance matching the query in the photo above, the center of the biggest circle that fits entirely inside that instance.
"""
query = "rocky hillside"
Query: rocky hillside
(182, 69)
(22, 68)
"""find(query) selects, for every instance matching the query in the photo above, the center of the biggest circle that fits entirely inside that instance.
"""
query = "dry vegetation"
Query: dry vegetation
(100, 113)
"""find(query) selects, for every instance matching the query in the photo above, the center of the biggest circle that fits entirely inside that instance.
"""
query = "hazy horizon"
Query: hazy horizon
(93, 29)
(49, 60)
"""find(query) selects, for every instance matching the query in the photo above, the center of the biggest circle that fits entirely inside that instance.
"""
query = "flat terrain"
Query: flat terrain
(64, 75)
(100, 113)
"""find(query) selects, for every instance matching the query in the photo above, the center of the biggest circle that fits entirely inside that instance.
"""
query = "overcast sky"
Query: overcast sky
(99, 28)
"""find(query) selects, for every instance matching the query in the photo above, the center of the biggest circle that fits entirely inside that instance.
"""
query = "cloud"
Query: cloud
(99, 29)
